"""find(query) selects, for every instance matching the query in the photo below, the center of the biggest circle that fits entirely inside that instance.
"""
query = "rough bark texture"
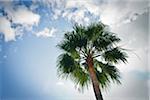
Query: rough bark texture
(93, 77)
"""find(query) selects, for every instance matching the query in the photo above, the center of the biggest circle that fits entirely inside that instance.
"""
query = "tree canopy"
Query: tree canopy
(101, 44)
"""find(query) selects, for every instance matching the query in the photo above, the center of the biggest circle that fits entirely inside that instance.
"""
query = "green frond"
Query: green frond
(115, 55)
(94, 30)
(107, 74)
(79, 29)
(81, 78)
(103, 79)
(69, 68)
(75, 55)
(113, 72)
(105, 40)
(72, 41)
(66, 64)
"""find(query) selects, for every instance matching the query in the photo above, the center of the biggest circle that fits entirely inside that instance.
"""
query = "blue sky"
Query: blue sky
(30, 31)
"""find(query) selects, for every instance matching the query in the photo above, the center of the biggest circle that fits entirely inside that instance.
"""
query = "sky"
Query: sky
(30, 31)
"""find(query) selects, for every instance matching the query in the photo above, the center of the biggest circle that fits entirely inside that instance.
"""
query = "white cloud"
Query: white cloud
(88, 5)
(110, 12)
(57, 13)
(79, 15)
(47, 32)
(5, 28)
(117, 12)
(21, 15)
(133, 16)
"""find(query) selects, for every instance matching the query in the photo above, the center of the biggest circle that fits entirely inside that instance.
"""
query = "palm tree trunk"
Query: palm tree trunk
(93, 77)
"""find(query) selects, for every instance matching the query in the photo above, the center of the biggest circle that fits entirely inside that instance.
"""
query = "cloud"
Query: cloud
(80, 11)
(77, 16)
(5, 28)
(110, 12)
(57, 13)
(21, 17)
(88, 5)
(47, 32)
(24, 16)
(117, 12)
(133, 16)
(73, 11)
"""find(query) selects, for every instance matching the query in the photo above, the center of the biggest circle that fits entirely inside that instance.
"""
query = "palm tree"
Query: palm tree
(89, 55)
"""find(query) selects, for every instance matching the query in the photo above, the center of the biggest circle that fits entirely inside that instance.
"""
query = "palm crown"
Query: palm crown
(91, 44)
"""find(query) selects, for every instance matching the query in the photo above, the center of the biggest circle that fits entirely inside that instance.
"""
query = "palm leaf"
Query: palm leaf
(69, 68)
(72, 41)
(107, 74)
(66, 64)
(81, 78)
(115, 55)
(105, 40)
(94, 30)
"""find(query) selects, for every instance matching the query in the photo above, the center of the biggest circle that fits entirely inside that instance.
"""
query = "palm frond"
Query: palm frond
(94, 30)
(69, 68)
(79, 29)
(81, 78)
(72, 41)
(66, 64)
(105, 40)
(107, 74)
(103, 79)
(115, 55)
